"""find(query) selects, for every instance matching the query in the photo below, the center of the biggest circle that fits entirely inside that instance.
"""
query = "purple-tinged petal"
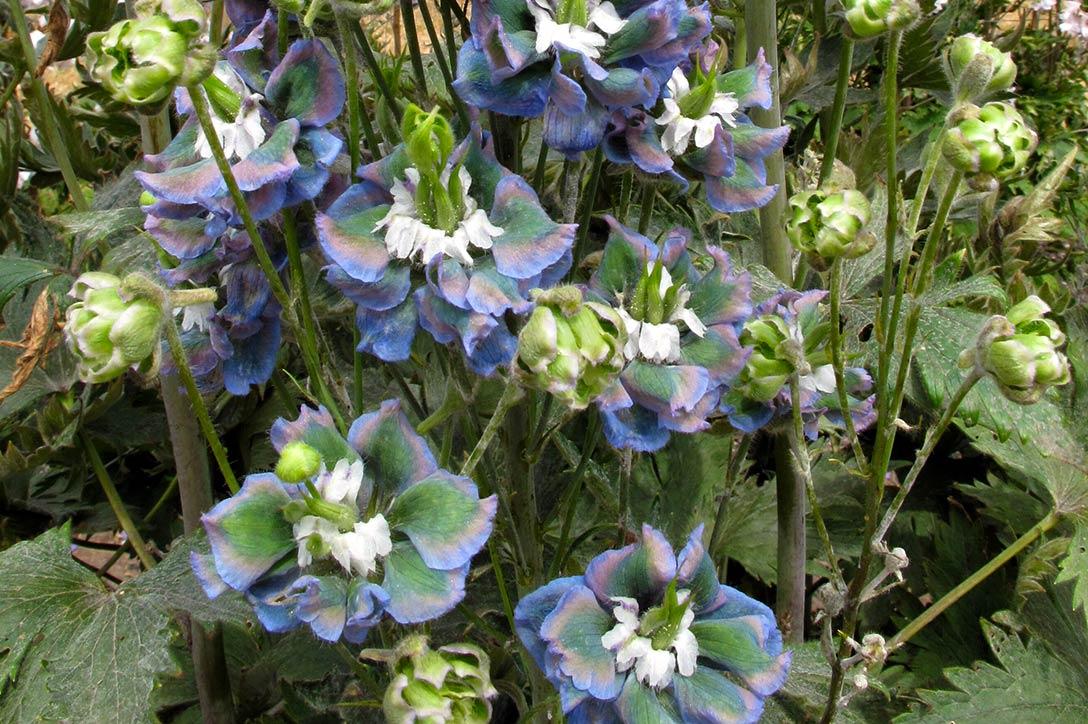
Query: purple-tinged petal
(695, 419)
(513, 13)
(566, 93)
(622, 87)
(196, 183)
(752, 141)
(573, 631)
(254, 358)
(634, 140)
(182, 239)
(718, 351)
(665, 388)
(317, 429)
(388, 334)
(634, 428)
(751, 86)
(525, 94)
(530, 613)
(247, 293)
(347, 234)
(203, 565)
(444, 518)
(552, 275)
(743, 646)
(272, 598)
(639, 571)
(507, 53)
(248, 533)
(591, 711)
(489, 292)
(394, 456)
(707, 696)
(647, 28)
(486, 341)
(320, 149)
(638, 703)
(273, 160)
(181, 151)
(531, 241)
(244, 14)
(322, 603)
(307, 84)
(716, 159)
(694, 26)
(738, 604)
(449, 280)
(625, 256)
(745, 190)
(365, 607)
(386, 293)
(571, 134)
(255, 51)
(720, 296)
(493, 351)
(614, 398)
(696, 572)
(416, 592)
(747, 416)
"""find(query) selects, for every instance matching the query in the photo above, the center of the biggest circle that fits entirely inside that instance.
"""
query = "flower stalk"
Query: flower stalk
(116, 503)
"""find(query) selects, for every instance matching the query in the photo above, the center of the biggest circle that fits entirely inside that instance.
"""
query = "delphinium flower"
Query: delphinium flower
(699, 132)
(988, 143)
(829, 223)
(439, 235)
(574, 61)
(787, 335)
(646, 635)
(361, 526)
(682, 321)
(1020, 351)
(270, 117)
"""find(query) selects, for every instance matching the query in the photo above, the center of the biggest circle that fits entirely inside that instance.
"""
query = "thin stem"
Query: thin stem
(803, 463)
(948, 599)
(282, 21)
(118, 505)
(626, 188)
(933, 157)
(215, 28)
(924, 272)
(45, 108)
(443, 68)
(649, 196)
(587, 208)
(510, 397)
(842, 84)
(351, 77)
(450, 406)
(521, 493)
(570, 500)
(933, 436)
(356, 372)
(569, 195)
(9, 90)
(838, 363)
(414, 54)
(626, 465)
(718, 531)
(173, 340)
(541, 166)
(375, 69)
(792, 544)
(447, 29)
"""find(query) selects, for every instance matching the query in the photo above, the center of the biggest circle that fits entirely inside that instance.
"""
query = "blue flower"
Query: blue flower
(702, 134)
(787, 332)
(444, 238)
(574, 62)
(649, 635)
(682, 322)
(271, 117)
(377, 529)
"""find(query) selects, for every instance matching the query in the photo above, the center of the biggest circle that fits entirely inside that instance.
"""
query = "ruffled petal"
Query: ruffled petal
(649, 27)
(317, 429)
(707, 696)
(416, 592)
(573, 631)
(347, 236)
(634, 428)
(638, 703)
(530, 241)
(365, 607)
(524, 94)
(742, 645)
(639, 571)
(665, 388)
(530, 613)
(322, 603)
(307, 84)
(751, 85)
(745, 190)
(394, 456)
(384, 294)
(388, 334)
(571, 134)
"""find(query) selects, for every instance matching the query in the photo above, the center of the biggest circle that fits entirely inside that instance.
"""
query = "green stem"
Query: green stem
(215, 28)
(624, 496)
(443, 68)
(173, 340)
(45, 108)
(792, 544)
(541, 166)
(571, 188)
(587, 208)
(838, 363)
(973, 580)
(416, 57)
(842, 84)
(627, 186)
(933, 157)
(351, 77)
(510, 397)
(282, 28)
(718, 531)
(803, 464)
(118, 505)
(924, 272)
(761, 19)
(933, 436)
(450, 406)
(570, 500)
(447, 29)
(9, 90)
(649, 196)
(521, 492)
(375, 69)
(356, 372)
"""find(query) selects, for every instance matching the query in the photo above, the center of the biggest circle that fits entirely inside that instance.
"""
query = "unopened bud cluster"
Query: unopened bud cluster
(989, 143)
(870, 18)
(829, 224)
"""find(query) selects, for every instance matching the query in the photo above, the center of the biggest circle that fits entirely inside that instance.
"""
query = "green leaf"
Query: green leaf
(1030, 684)
(1075, 567)
(17, 272)
(75, 650)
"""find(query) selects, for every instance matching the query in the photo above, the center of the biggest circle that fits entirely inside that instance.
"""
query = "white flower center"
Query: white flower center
(680, 129)
(242, 135)
(196, 315)
(572, 37)
(653, 667)
(660, 343)
(407, 236)
(357, 550)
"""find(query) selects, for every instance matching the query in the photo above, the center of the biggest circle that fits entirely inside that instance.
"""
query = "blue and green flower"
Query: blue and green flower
(650, 635)
(574, 61)
(368, 525)
(439, 235)
(682, 317)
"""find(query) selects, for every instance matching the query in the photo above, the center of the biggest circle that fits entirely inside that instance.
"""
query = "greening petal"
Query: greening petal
(531, 241)
(317, 429)
(395, 457)
(307, 84)
(417, 592)
(742, 645)
(640, 570)
(707, 696)
(573, 631)
(638, 704)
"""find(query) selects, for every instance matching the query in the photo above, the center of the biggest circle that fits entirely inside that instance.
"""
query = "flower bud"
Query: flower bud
(979, 68)
(870, 18)
(139, 61)
(828, 225)
(298, 461)
(992, 142)
(768, 368)
(1020, 351)
(451, 684)
(569, 347)
(109, 333)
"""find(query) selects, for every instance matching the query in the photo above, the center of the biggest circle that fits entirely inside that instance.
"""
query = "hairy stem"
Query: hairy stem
(116, 503)
(587, 208)
(842, 84)
(838, 363)
(717, 533)
(510, 397)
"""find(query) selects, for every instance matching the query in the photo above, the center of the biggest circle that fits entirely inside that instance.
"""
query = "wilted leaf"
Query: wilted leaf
(40, 336)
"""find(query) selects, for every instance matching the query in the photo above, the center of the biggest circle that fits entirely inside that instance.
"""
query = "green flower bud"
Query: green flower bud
(992, 142)
(828, 225)
(298, 461)
(451, 684)
(769, 366)
(979, 68)
(1020, 352)
(870, 18)
(569, 347)
(109, 333)
(139, 61)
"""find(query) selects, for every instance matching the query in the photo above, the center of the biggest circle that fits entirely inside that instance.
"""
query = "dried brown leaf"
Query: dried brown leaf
(40, 337)
(56, 30)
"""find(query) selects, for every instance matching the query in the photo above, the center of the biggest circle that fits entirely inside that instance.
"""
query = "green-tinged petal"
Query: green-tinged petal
(573, 631)
(316, 429)
(707, 696)
(445, 519)
(416, 592)
(639, 704)
(740, 645)
(395, 456)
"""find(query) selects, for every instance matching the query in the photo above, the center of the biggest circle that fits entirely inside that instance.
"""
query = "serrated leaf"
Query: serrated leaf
(1074, 567)
(18, 272)
(979, 286)
(75, 650)
(751, 529)
(1030, 685)
(95, 225)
